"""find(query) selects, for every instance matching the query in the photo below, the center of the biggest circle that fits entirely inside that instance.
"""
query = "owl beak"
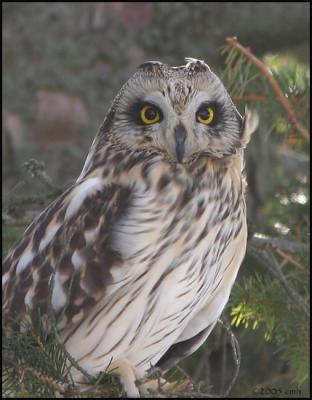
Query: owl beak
(180, 136)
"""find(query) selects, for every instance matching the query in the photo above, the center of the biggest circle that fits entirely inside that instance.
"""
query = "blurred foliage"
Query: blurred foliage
(257, 300)
(10, 234)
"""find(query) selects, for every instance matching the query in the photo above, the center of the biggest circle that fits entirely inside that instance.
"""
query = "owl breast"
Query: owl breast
(183, 244)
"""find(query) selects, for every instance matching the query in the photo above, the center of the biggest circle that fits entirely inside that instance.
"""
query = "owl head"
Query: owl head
(180, 112)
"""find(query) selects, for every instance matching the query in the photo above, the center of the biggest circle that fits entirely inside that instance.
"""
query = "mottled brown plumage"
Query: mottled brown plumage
(145, 247)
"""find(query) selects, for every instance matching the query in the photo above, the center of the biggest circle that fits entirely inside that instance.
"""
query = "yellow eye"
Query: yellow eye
(205, 115)
(149, 114)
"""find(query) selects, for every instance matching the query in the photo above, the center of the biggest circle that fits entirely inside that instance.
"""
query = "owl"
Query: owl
(144, 248)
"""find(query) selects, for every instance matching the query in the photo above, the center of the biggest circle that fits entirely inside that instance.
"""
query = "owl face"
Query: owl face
(181, 112)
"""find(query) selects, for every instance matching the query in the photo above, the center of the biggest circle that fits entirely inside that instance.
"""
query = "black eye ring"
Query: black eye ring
(207, 114)
(149, 114)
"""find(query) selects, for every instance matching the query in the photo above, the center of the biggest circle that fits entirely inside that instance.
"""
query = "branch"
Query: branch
(16, 196)
(267, 258)
(44, 379)
(224, 364)
(236, 355)
(289, 258)
(260, 241)
(267, 73)
(36, 170)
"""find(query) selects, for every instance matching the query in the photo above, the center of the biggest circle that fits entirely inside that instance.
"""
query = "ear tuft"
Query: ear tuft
(250, 124)
(193, 65)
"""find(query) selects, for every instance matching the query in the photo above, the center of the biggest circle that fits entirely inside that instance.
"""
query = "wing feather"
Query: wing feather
(71, 240)
(179, 350)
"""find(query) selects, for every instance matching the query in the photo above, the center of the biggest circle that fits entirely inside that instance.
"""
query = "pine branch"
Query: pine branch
(36, 363)
(267, 258)
(44, 379)
(267, 73)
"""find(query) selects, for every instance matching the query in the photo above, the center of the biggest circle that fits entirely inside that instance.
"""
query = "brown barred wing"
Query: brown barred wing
(71, 241)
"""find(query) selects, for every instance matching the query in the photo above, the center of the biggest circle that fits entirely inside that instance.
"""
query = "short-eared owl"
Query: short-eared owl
(145, 246)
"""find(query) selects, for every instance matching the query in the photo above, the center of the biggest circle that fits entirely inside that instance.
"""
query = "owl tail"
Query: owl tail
(251, 121)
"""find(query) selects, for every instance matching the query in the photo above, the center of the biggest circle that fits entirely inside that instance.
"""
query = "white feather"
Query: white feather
(49, 236)
(84, 190)
(24, 261)
(90, 235)
(58, 295)
(29, 299)
(5, 278)
(77, 260)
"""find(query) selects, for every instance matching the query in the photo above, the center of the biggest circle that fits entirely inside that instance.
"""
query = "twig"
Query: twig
(43, 350)
(223, 365)
(46, 380)
(296, 297)
(261, 241)
(236, 355)
(36, 170)
(265, 70)
(288, 258)
(266, 257)
(184, 373)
